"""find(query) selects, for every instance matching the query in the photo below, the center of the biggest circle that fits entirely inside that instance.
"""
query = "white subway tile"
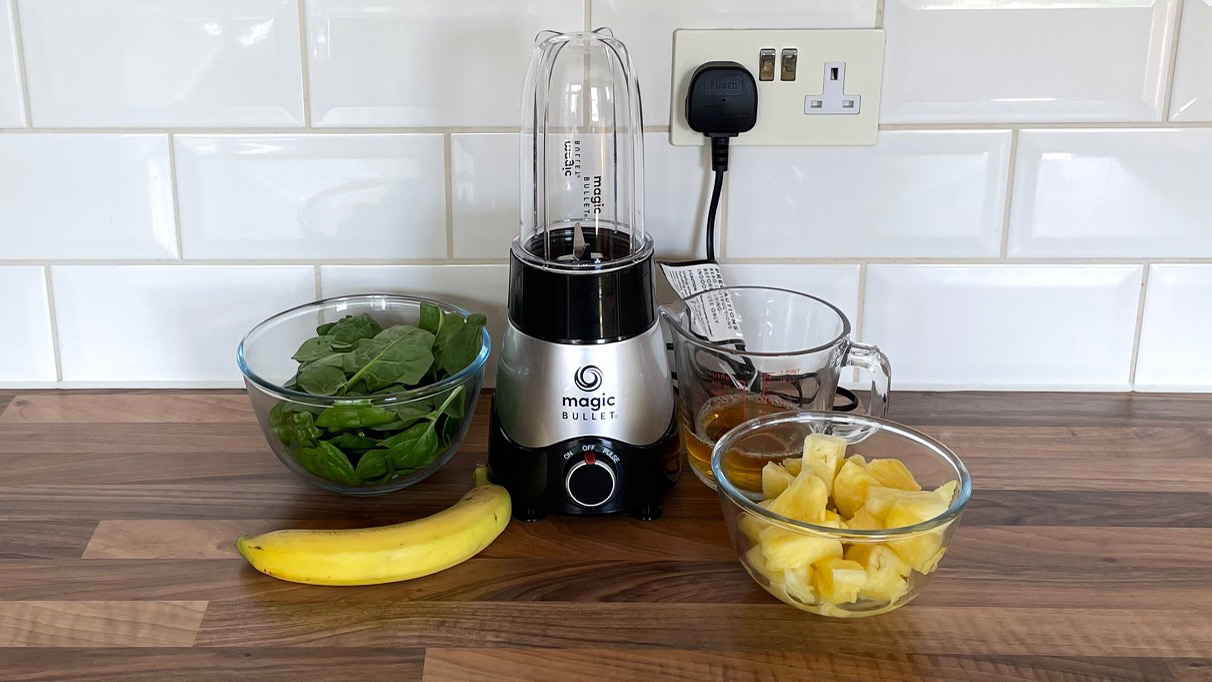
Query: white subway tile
(1113, 193)
(1192, 97)
(85, 196)
(26, 349)
(121, 63)
(838, 284)
(1026, 60)
(484, 170)
(311, 196)
(1004, 326)
(677, 189)
(12, 108)
(1176, 329)
(647, 26)
(477, 288)
(913, 194)
(166, 323)
(425, 62)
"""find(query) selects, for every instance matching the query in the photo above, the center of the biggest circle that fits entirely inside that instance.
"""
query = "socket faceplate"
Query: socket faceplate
(781, 103)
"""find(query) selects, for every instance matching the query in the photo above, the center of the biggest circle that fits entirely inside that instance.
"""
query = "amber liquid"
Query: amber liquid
(715, 418)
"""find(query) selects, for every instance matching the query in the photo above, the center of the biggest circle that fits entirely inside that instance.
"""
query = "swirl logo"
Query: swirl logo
(588, 378)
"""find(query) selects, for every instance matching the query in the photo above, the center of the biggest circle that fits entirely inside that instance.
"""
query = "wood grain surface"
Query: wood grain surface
(1085, 554)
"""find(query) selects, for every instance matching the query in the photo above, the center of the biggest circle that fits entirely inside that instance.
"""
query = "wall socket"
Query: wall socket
(815, 87)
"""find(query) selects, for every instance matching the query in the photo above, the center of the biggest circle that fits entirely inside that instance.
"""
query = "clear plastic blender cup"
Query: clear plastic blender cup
(747, 351)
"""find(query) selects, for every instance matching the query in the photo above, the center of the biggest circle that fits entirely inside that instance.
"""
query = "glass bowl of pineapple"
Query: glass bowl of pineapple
(853, 513)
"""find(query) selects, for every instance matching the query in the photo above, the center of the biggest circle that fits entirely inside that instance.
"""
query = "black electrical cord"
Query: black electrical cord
(719, 164)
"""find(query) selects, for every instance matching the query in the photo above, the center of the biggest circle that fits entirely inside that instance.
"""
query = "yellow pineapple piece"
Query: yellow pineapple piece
(863, 519)
(750, 526)
(823, 457)
(887, 572)
(880, 499)
(857, 459)
(850, 487)
(798, 584)
(786, 549)
(932, 562)
(793, 465)
(946, 491)
(803, 500)
(918, 551)
(775, 480)
(831, 519)
(892, 473)
(756, 561)
(838, 581)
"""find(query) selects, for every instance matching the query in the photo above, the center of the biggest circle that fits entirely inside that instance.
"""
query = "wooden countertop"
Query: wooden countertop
(1085, 554)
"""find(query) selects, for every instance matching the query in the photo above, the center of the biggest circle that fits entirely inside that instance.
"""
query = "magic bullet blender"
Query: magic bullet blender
(583, 415)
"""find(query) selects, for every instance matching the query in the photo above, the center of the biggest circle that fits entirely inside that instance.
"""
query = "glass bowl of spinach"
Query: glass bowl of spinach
(365, 394)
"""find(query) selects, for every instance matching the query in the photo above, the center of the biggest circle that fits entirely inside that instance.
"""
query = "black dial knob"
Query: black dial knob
(590, 482)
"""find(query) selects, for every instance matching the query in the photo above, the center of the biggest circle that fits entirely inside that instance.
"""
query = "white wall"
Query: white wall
(1037, 212)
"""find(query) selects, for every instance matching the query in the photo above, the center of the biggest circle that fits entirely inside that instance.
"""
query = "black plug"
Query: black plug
(721, 103)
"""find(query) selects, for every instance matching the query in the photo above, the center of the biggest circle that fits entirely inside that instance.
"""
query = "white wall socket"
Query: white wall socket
(832, 96)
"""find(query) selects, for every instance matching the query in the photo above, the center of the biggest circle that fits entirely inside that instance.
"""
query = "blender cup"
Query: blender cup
(747, 351)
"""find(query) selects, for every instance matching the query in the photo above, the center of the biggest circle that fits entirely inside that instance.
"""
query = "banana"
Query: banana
(369, 556)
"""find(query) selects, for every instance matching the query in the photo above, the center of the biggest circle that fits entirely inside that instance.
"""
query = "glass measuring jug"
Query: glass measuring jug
(746, 351)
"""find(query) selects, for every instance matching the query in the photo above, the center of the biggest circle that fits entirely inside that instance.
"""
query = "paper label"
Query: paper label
(713, 314)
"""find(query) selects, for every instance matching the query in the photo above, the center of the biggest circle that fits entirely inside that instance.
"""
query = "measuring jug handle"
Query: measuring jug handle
(873, 360)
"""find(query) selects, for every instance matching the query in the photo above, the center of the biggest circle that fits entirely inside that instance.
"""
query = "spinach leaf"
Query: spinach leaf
(350, 328)
(323, 329)
(449, 430)
(411, 412)
(349, 441)
(294, 427)
(313, 349)
(327, 462)
(464, 344)
(411, 449)
(354, 415)
(389, 426)
(431, 318)
(401, 354)
(321, 379)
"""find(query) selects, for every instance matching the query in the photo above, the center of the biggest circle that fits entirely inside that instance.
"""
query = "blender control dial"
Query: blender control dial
(590, 481)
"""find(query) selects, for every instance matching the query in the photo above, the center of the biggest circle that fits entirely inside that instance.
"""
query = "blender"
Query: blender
(583, 418)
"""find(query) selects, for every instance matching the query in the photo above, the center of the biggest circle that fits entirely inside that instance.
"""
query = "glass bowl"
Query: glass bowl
(310, 433)
(896, 563)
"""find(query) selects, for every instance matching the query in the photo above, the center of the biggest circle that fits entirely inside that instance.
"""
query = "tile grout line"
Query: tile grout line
(851, 260)
(880, 7)
(1004, 250)
(19, 46)
(319, 288)
(860, 310)
(587, 20)
(447, 173)
(172, 181)
(1140, 324)
(1169, 90)
(304, 66)
(54, 321)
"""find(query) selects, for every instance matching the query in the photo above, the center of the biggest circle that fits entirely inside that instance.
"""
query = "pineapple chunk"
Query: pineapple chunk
(858, 459)
(863, 519)
(750, 526)
(756, 561)
(838, 581)
(850, 487)
(919, 551)
(803, 500)
(880, 499)
(932, 562)
(887, 572)
(831, 519)
(946, 491)
(798, 584)
(793, 465)
(775, 480)
(786, 549)
(892, 473)
(823, 457)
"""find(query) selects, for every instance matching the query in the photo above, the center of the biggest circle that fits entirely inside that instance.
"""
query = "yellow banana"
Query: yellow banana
(369, 556)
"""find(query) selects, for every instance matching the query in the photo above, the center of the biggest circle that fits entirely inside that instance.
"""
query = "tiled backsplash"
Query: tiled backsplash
(1036, 214)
